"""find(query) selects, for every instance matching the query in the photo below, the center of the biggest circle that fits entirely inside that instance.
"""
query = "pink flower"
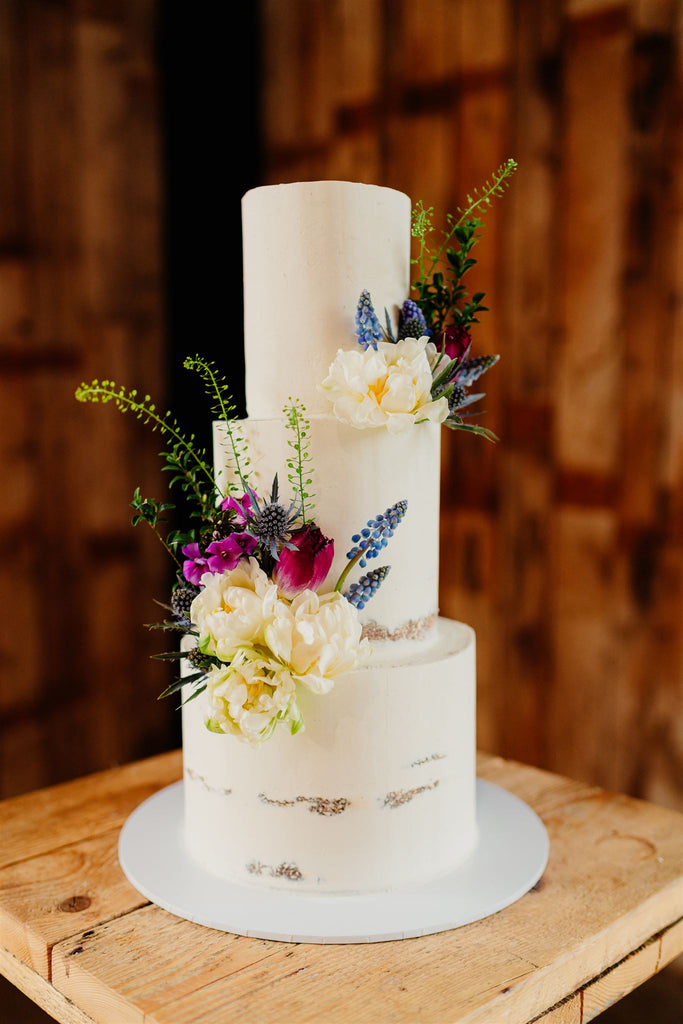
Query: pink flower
(306, 567)
(457, 341)
(225, 554)
(195, 565)
(242, 507)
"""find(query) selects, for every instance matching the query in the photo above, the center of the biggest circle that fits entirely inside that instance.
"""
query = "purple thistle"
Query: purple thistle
(368, 327)
(367, 586)
(375, 536)
(456, 398)
(411, 322)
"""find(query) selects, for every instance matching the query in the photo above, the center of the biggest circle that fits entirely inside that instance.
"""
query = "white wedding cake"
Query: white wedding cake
(377, 790)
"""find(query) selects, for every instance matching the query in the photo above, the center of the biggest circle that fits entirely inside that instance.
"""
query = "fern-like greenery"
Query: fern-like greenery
(299, 462)
(185, 460)
(225, 409)
(441, 295)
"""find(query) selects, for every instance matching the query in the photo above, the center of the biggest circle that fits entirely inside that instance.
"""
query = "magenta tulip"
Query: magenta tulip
(457, 342)
(306, 567)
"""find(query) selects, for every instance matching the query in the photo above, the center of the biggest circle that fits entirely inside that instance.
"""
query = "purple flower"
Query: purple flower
(225, 554)
(457, 342)
(242, 507)
(306, 567)
(195, 565)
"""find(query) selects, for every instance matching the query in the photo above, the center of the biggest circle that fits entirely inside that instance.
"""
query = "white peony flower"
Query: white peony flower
(326, 639)
(270, 644)
(249, 697)
(387, 387)
(235, 608)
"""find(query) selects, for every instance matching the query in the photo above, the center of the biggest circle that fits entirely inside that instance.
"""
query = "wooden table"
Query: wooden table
(81, 942)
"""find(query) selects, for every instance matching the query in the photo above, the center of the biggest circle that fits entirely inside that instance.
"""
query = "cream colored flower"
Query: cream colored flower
(270, 644)
(326, 639)
(249, 697)
(387, 387)
(235, 608)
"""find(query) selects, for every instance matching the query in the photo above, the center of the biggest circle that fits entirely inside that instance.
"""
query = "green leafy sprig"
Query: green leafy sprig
(225, 409)
(299, 462)
(185, 460)
(150, 511)
(441, 294)
(457, 423)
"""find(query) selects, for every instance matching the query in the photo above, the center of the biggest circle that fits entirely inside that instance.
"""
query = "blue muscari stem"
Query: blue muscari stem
(375, 536)
(367, 586)
(372, 538)
(368, 327)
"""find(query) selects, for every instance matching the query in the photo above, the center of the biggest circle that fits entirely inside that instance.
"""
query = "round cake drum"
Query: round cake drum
(509, 859)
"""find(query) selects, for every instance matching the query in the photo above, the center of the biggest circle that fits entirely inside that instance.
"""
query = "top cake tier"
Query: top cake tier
(310, 248)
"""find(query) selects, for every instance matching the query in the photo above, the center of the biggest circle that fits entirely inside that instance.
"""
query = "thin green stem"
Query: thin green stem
(227, 419)
(163, 542)
(502, 173)
(353, 561)
(299, 463)
(122, 399)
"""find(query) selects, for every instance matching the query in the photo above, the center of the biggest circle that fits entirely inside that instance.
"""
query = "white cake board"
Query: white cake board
(509, 859)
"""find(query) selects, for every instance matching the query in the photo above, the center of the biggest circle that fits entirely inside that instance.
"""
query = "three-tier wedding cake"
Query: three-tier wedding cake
(377, 790)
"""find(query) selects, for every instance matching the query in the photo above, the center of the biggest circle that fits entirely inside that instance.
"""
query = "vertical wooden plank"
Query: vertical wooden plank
(481, 128)
(531, 294)
(357, 71)
(298, 69)
(588, 655)
(119, 218)
(80, 296)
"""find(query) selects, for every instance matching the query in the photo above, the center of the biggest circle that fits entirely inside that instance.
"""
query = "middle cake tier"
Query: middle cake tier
(358, 474)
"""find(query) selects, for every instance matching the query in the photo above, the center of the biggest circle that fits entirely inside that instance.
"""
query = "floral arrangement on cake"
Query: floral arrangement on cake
(251, 599)
(251, 602)
(422, 370)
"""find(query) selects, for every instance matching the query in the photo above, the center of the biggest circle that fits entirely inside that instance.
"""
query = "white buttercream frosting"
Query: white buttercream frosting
(376, 792)
(310, 248)
(378, 789)
(357, 474)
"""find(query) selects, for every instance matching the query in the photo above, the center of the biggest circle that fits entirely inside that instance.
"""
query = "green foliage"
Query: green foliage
(148, 510)
(225, 409)
(299, 462)
(151, 512)
(441, 294)
(421, 227)
(185, 459)
(456, 423)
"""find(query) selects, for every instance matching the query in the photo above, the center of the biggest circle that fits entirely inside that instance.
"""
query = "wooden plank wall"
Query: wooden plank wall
(80, 286)
(563, 545)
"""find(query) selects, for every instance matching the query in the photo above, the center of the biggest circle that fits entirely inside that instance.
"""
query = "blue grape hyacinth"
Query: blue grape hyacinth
(367, 586)
(368, 327)
(375, 536)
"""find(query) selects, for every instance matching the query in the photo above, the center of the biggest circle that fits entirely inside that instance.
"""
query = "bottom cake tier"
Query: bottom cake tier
(376, 793)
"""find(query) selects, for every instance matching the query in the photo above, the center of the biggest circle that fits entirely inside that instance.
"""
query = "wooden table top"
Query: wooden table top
(81, 942)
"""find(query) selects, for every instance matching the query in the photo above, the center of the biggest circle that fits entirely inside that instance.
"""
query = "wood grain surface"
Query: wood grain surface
(81, 942)
(80, 297)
